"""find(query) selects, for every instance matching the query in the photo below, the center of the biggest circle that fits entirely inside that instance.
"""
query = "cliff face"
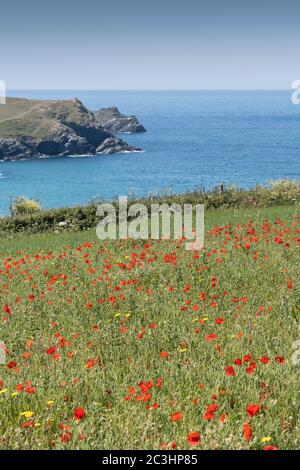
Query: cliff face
(30, 129)
(113, 121)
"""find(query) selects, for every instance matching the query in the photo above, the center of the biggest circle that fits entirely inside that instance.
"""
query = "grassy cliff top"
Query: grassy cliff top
(40, 118)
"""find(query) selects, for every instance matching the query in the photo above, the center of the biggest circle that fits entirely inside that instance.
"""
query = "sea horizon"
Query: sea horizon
(194, 139)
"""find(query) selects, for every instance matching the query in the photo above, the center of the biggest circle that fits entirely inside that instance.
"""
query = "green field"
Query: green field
(145, 345)
(39, 118)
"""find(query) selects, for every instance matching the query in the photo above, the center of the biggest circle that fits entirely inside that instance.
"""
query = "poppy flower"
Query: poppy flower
(247, 431)
(250, 370)
(28, 424)
(252, 410)
(264, 360)
(79, 414)
(177, 416)
(66, 437)
(280, 359)
(51, 351)
(164, 354)
(193, 438)
(211, 337)
(238, 362)
(212, 408)
(90, 364)
(11, 364)
(6, 309)
(247, 358)
(229, 370)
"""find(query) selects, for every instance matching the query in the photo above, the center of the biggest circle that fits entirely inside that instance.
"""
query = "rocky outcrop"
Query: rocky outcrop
(113, 121)
(115, 145)
(56, 128)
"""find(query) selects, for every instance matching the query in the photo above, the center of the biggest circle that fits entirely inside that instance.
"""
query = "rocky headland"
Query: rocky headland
(39, 128)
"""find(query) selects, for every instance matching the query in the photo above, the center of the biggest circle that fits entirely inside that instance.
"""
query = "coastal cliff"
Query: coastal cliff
(113, 121)
(37, 128)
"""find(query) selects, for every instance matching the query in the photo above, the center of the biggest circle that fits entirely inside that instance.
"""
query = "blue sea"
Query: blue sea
(195, 139)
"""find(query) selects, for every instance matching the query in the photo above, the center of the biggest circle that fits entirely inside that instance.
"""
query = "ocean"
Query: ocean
(195, 139)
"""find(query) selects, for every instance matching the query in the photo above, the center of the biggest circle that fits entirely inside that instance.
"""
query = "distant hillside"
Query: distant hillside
(33, 128)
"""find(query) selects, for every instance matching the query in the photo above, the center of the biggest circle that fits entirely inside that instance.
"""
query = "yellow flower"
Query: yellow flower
(14, 394)
(3, 391)
(127, 315)
(117, 314)
(50, 403)
(27, 414)
(183, 350)
(204, 318)
(266, 439)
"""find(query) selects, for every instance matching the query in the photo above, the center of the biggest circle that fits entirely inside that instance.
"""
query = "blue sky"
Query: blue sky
(155, 44)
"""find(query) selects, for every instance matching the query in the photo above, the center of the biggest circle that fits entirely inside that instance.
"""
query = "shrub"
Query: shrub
(30, 218)
(22, 205)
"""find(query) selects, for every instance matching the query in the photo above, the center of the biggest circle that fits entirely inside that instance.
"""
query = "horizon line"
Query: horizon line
(148, 89)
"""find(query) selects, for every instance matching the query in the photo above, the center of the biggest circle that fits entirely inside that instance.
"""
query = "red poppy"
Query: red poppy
(238, 362)
(264, 360)
(28, 424)
(90, 363)
(252, 410)
(247, 431)
(51, 351)
(211, 337)
(169, 258)
(229, 370)
(177, 416)
(164, 354)
(280, 359)
(6, 309)
(66, 437)
(212, 408)
(11, 365)
(193, 438)
(79, 414)
(247, 358)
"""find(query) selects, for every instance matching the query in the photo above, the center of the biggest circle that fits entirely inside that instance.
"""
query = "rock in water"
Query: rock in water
(37, 128)
(115, 145)
(113, 121)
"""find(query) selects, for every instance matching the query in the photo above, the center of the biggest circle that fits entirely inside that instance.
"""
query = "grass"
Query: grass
(39, 118)
(132, 345)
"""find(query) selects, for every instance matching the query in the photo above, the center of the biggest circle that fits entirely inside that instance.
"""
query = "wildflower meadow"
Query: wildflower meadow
(134, 344)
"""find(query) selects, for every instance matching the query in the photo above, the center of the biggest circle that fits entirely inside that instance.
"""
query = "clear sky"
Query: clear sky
(153, 44)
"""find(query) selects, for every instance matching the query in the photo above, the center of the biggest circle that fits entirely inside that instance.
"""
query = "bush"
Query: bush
(29, 218)
(22, 206)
